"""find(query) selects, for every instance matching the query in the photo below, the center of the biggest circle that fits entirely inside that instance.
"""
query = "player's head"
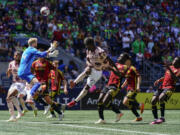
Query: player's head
(89, 43)
(32, 42)
(56, 63)
(124, 58)
(176, 62)
(41, 50)
(17, 56)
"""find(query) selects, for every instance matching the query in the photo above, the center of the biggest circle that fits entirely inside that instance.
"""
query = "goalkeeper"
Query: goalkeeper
(28, 56)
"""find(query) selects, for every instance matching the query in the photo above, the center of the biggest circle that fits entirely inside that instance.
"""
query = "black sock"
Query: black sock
(136, 104)
(115, 108)
(40, 100)
(134, 111)
(101, 111)
(56, 108)
(162, 108)
(52, 112)
(154, 111)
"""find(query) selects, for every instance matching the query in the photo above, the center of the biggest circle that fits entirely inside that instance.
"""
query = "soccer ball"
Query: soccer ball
(45, 11)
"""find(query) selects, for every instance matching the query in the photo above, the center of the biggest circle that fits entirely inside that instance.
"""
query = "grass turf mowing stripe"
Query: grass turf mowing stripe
(97, 128)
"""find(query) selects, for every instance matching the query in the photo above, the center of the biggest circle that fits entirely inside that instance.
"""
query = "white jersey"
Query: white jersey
(97, 59)
(13, 66)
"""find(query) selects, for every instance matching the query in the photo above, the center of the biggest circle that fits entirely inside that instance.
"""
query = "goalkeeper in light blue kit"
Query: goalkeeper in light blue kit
(24, 71)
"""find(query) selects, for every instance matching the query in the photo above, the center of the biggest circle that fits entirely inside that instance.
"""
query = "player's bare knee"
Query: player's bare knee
(125, 101)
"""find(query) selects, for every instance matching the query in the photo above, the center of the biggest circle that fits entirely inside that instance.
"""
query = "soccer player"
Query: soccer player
(56, 77)
(97, 60)
(17, 87)
(133, 81)
(113, 87)
(164, 93)
(41, 69)
(28, 56)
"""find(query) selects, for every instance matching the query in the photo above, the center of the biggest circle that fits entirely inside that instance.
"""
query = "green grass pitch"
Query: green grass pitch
(82, 123)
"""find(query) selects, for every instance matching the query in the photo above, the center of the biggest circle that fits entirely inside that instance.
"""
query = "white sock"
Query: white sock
(81, 95)
(16, 104)
(23, 103)
(11, 108)
(33, 106)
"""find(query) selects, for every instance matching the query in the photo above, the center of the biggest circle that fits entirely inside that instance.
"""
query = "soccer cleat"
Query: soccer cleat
(51, 116)
(154, 122)
(118, 117)
(100, 121)
(142, 108)
(35, 113)
(19, 115)
(24, 111)
(12, 119)
(46, 109)
(60, 117)
(161, 120)
(138, 119)
(71, 104)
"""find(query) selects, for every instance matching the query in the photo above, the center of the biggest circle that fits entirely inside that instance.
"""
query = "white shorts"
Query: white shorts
(29, 98)
(19, 87)
(93, 77)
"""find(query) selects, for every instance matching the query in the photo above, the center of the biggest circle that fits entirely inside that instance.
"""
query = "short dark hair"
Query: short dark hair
(89, 41)
(123, 57)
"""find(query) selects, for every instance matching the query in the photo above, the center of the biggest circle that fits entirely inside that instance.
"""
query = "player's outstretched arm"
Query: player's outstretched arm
(138, 83)
(124, 84)
(52, 47)
(65, 87)
(85, 73)
(9, 71)
(158, 81)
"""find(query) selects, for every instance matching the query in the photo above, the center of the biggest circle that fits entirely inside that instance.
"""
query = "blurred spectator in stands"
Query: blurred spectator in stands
(139, 59)
(72, 69)
(137, 45)
(61, 65)
(126, 40)
(150, 90)
(167, 58)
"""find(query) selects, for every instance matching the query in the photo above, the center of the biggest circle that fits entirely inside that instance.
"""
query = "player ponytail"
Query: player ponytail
(176, 62)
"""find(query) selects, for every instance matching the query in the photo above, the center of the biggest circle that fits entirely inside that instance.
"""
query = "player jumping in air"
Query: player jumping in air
(113, 87)
(17, 87)
(56, 77)
(97, 60)
(28, 56)
(163, 94)
(41, 69)
(133, 81)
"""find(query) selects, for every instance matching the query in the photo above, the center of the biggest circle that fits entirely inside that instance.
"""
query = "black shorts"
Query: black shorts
(167, 92)
(46, 91)
(53, 94)
(113, 90)
(131, 94)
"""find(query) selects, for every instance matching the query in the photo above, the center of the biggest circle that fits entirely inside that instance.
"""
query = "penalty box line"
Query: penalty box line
(96, 128)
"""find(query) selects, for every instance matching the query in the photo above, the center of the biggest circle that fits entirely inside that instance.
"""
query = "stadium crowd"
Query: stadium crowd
(148, 29)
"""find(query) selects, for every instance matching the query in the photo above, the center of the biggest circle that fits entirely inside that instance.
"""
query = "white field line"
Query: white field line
(96, 128)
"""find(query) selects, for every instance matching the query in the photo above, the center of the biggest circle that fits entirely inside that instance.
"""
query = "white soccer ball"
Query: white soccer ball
(45, 11)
